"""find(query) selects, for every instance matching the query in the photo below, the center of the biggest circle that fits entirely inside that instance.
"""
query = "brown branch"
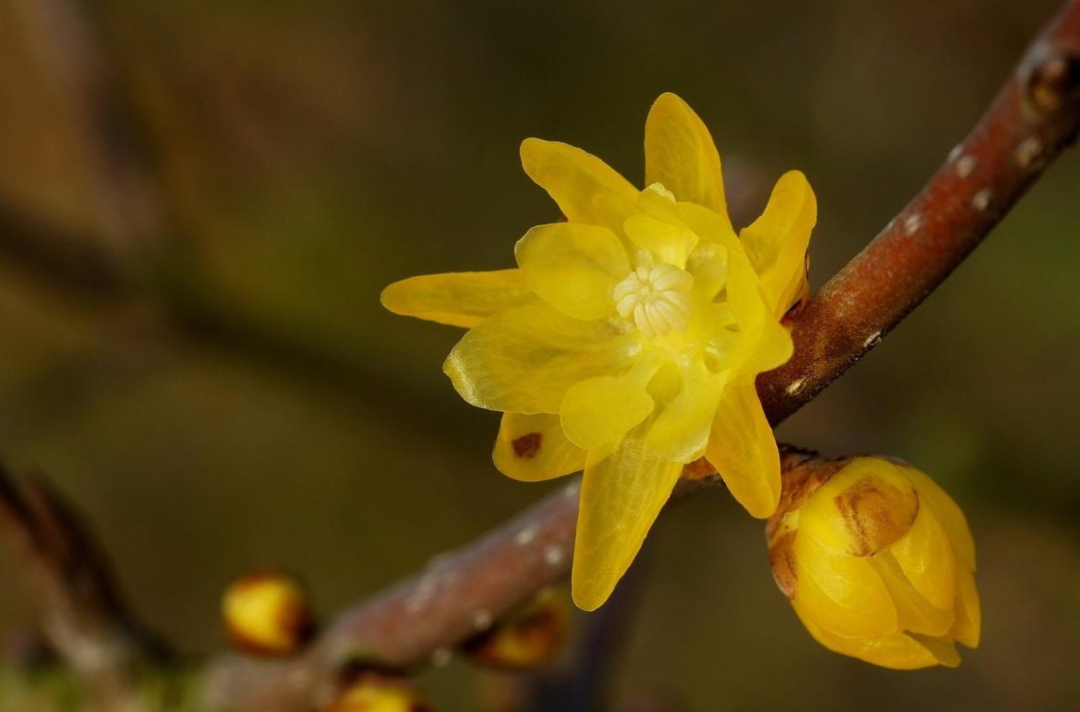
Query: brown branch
(1034, 118)
(82, 612)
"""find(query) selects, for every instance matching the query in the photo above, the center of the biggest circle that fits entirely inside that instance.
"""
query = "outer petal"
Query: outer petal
(532, 448)
(926, 558)
(680, 154)
(602, 409)
(897, 651)
(843, 594)
(968, 623)
(620, 498)
(524, 360)
(459, 298)
(681, 431)
(866, 507)
(586, 189)
(777, 241)
(948, 513)
(742, 449)
(573, 267)
(917, 615)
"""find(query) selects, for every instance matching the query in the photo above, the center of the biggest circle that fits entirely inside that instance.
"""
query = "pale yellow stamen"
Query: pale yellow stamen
(656, 298)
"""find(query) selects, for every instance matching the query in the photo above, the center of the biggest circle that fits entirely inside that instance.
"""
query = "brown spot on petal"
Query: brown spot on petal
(876, 514)
(528, 446)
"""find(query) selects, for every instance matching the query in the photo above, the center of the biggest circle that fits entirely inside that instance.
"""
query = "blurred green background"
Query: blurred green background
(191, 343)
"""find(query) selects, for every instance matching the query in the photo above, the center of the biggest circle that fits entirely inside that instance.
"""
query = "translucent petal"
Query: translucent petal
(682, 428)
(707, 264)
(864, 508)
(948, 513)
(897, 651)
(602, 409)
(681, 155)
(917, 615)
(525, 359)
(777, 241)
(709, 225)
(532, 448)
(669, 243)
(574, 267)
(773, 349)
(744, 295)
(621, 496)
(843, 594)
(926, 558)
(742, 449)
(460, 298)
(968, 624)
(585, 188)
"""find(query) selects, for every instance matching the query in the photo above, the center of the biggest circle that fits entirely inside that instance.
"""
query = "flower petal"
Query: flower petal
(778, 240)
(942, 648)
(621, 495)
(682, 428)
(843, 594)
(867, 506)
(602, 409)
(573, 267)
(523, 360)
(897, 651)
(459, 298)
(668, 242)
(680, 154)
(926, 558)
(917, 615)
(585, 188)
(968, 624)
(948, 513)
(742, 449)
(533, 448)
(707, 264)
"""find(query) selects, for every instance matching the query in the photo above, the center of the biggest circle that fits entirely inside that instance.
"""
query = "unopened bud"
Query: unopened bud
(878, 562)
(267, 614)
(532, 636)
(377, 693)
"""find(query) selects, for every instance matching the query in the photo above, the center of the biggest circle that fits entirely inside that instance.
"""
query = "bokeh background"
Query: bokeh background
(200, 202)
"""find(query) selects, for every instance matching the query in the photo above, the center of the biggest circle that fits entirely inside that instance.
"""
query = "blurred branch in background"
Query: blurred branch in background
(583, 682)
(74, 59)
(83, 615)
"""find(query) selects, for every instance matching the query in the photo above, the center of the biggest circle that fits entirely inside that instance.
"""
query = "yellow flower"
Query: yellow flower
(267, 613)
(879, 564)
(377, 693)
(628, 340)
(529, 637)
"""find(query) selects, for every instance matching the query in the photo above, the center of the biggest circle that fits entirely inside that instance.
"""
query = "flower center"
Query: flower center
(657, 298)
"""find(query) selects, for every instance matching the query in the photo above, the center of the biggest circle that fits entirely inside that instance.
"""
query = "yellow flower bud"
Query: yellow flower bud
(377, 693)
(531, 637)
(878, 563)
(267, 614)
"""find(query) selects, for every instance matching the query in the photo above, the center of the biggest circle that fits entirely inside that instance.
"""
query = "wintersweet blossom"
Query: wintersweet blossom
(627, 341)
(879, 564)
